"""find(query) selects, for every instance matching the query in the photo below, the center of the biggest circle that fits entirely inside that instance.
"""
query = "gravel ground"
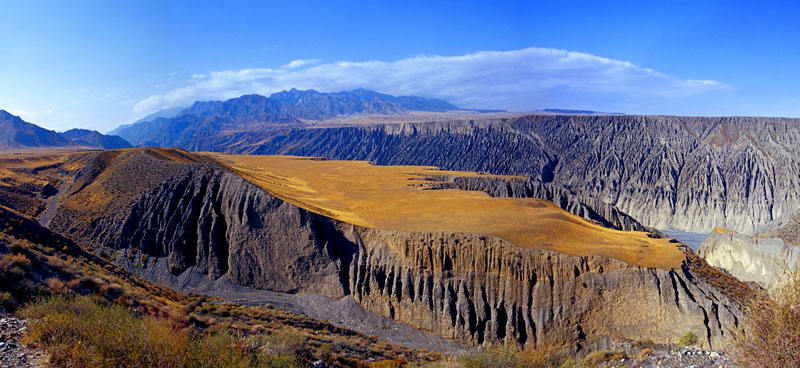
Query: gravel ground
(685, 358)
(12, 352)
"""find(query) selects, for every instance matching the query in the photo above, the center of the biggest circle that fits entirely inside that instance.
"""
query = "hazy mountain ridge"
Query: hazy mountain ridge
(166, 113)
(16, 133)
(258, 113)
(93, 138)
(311, 104)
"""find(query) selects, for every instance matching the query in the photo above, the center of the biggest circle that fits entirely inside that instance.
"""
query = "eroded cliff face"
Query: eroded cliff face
(220, 225)
(763, 260)
(483, 290)
(472, 288)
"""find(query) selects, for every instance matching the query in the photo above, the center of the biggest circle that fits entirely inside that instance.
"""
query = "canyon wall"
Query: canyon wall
(689, 173)
(475, 289)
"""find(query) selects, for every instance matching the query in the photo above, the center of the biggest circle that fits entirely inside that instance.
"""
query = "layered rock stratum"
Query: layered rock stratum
(202, 217)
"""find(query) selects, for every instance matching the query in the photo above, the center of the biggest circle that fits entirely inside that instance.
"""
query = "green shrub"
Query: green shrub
(688, 339)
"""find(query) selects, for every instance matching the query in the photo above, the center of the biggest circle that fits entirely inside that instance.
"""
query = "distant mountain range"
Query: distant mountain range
(293, 108)
(16, 133)
(166, 113)
(93, 138)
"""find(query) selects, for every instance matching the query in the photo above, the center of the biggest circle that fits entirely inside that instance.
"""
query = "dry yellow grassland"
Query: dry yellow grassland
(390, 197)
(10, 160)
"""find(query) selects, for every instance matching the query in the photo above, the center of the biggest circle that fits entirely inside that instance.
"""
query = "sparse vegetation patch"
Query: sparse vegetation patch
(91, 332)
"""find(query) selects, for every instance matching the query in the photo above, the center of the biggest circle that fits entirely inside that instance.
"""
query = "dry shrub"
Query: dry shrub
(596, 358)
(57, 286)
(81, 332)
(74, 284)
(112, 291)
(14, 285)
(14, 266)
(7, 300)
(92, 332)
(544, 356)
(18, 247)
(646, 352)
(279, 343)
(539, 357)
(389, 363)
(770, 333)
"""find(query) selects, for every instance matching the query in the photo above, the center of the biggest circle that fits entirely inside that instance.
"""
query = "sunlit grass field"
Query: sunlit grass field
(395, 198)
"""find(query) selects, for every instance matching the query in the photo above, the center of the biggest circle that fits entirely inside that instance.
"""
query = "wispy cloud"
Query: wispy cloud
(517, 79)
(300, 63)
(31, 115)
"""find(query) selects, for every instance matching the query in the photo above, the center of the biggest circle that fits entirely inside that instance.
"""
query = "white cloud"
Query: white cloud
(515, 80)
(30, 115)
(301, 62)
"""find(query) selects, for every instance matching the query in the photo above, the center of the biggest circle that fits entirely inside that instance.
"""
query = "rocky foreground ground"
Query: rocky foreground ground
(684, 358)
(12, 352)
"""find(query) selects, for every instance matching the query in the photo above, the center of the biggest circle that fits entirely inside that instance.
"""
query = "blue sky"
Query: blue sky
(99, 64)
